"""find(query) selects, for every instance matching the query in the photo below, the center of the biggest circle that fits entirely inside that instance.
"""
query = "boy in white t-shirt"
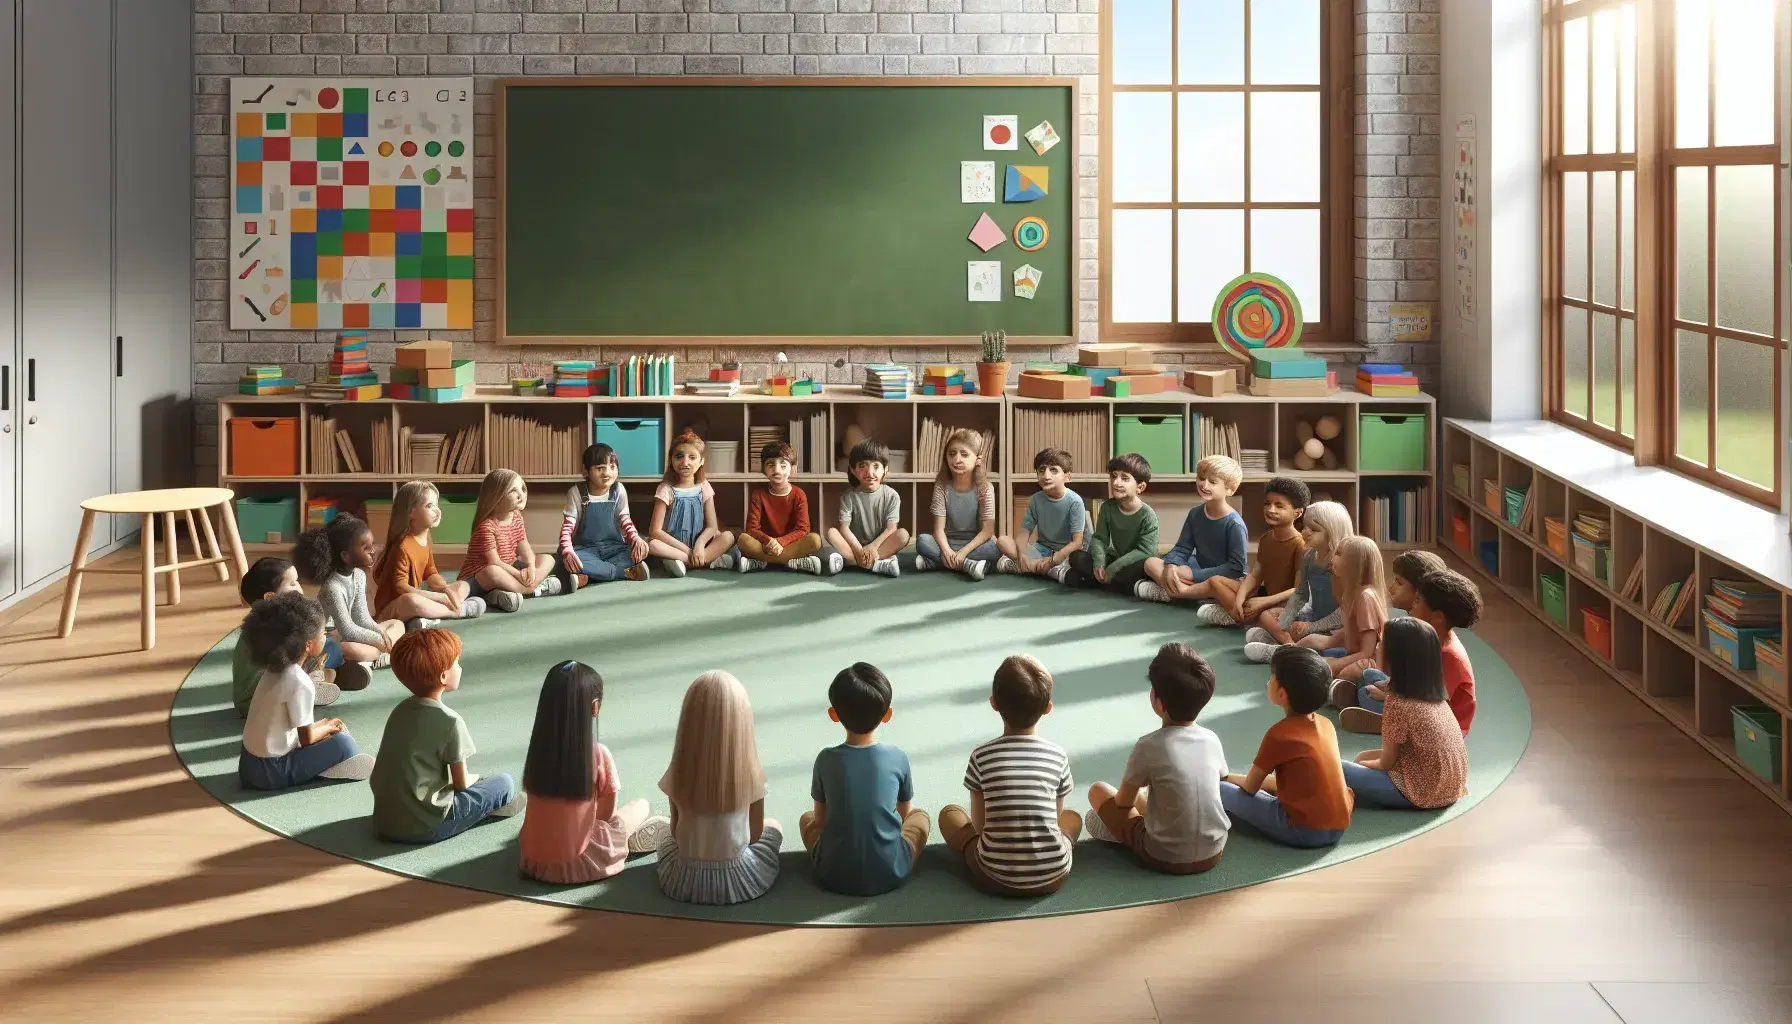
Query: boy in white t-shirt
(1181, 829)
(283, 746)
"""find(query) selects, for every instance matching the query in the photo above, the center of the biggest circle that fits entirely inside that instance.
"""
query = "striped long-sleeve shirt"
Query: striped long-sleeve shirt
(576, 501)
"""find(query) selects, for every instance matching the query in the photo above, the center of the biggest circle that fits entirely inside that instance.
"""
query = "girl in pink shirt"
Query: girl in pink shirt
(573, 832)
(1422, 763)
(1360, 581)
(499, 565)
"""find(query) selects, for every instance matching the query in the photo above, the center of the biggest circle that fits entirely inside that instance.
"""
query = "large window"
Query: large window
(1221, 154)
(1668, 262)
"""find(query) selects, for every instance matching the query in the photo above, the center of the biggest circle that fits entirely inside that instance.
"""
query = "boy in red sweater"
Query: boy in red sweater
(778, 530)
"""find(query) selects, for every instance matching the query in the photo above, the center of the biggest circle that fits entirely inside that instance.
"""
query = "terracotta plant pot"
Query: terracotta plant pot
(992, 378)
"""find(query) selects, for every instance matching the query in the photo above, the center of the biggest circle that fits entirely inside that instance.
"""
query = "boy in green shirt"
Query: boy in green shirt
(1125, 531)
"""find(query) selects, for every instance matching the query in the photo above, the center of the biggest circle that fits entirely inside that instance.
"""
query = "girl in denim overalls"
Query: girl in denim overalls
(598, 540)
(684, 530)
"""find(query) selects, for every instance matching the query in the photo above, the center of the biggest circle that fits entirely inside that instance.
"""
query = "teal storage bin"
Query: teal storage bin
(1157, 438)
(1552, 594)
(267, 520)
(640, 443)
(1515, 504)
(457, 521)
(1757, 729)
(1393, 441)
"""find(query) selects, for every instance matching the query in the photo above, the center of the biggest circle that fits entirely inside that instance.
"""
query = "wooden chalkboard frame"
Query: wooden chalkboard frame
(504, 85)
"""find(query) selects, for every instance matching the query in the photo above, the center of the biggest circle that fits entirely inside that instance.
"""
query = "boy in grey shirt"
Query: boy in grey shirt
(869, 530)
(1053, 528)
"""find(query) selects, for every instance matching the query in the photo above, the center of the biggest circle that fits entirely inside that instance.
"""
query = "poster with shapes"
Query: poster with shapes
(1001, 131)
(351, 203)
(977, 181)
(985, 281)
(1463, 202)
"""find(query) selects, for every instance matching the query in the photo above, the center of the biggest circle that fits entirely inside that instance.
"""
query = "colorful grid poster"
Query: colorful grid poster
(351, 203)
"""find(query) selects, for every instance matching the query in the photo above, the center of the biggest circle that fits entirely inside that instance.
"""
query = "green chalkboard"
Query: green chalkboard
(758, 210)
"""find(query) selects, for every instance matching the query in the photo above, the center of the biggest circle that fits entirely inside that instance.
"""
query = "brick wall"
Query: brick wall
(1396, 134)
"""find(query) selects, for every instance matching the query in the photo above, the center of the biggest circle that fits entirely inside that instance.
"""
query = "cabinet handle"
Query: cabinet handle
(6, 388)
(120, 345)
(30, 380)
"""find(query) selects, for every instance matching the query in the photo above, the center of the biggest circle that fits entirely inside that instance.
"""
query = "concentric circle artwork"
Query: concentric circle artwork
(1255, 311)
(1031, 234)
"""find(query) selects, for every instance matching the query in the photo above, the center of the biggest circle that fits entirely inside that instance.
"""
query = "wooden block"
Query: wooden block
(1115, 354)
(1146, 383)
(456, 376)
(1140, 370)
(1053, 385)
(1118, 387)
(426, 355)
(1210, 383)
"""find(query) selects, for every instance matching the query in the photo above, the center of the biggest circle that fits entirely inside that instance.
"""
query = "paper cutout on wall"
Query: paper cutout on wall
(1026, 281)
(1001, 131)
(1031, 233)
(1042, 137)
(987, 234)
(977, 181)
(985, 281)
(1025, 184)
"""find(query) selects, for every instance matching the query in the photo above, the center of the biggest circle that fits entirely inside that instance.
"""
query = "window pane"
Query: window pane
(1210, 143)
(1605, 238)
(1744, 36)
(1692, 121)
(1627, 239)
(1690, 241)
(1745, 250)
(1574, 86)
(1574, 234)
(1605, 370)
(1692, 430)
(1141, 147)
(1627, 78)
(1605, 81)
(1141, 256)
(1286, 243)
(1745, 379)
(1141, 42)
(1285, 153)
(1210, 42)
(1574, 361)
(1285, 42)
(1627, 376)
(1209, 252)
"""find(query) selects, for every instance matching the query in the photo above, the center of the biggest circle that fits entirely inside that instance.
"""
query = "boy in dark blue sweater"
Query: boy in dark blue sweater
(1212, 541)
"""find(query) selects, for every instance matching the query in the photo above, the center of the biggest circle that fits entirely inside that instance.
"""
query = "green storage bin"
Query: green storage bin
(267, 520)
(457, 521)
(1393, 441)
(1515, 504)
(1552, 594)
(1157, 438)
(1757, 728)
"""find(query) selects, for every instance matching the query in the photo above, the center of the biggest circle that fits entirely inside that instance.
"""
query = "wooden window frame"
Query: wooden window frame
(1335, 330)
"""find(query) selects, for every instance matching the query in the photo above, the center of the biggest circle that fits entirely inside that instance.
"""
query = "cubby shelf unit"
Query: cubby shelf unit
(1676, 528)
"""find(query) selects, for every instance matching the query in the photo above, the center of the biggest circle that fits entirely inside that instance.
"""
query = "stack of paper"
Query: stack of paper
(888, 380)
(1254, 460)
(758, 436)
(534, 448)
(713, 388)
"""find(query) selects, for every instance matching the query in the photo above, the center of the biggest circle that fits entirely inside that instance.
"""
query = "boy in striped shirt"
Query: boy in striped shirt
(1016, 838)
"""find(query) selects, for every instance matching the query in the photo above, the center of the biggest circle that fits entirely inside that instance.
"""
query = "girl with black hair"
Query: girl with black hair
(1422, 763)
(336, 558)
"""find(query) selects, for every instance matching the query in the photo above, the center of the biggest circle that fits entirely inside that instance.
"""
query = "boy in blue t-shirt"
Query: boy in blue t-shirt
(863, 835)
(1053, 528)
(1212, 542)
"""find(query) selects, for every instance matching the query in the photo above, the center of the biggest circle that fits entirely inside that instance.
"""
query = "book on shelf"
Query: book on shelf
(888, 380)
(1664, 599)
(1633, 584)
(1743, 603)
(1527, 512)
(1680, 600)
(1594, 528)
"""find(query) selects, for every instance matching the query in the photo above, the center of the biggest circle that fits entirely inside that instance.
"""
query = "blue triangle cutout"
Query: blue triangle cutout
(356, 150)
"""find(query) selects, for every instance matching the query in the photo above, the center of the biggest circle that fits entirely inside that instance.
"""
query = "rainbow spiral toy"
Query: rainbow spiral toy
(1255, 311)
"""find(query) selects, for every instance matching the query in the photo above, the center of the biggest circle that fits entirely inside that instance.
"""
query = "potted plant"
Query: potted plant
(992, 365)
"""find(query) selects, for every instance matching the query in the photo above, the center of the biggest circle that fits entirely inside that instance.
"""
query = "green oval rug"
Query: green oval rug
(938, 637)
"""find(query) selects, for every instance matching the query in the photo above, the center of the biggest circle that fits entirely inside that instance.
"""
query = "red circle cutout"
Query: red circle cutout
(999, 135)
(327, 98)
(408, 149)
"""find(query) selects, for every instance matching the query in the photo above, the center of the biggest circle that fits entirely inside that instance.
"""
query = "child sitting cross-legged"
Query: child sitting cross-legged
(270, 577)
(1125, 531)
(1312, 608)
(1360, 581)
(499, 565)
(863, 834)
(337, 558)
(598, 539)
(778, 530)
(684, 530)
(1295, 793)
(1212, 542)
(1448, 601)
(284, 745)
(1017, 837)
(868, 532)
(1052, 529)
(1422, 763)
(1269, 584)
(408, 586)
(1365, 694)
(422, 791)
(964, 511)
(1167, 810)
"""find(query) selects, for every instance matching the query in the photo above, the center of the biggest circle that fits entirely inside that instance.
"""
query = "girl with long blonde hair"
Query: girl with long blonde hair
(1361, 583)
(1314, 607)
(722, 848)
(408, 585)
(500, 566)
(964, 511)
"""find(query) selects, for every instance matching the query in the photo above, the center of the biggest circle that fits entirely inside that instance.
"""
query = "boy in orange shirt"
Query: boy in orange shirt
(778, 530)
(1306, 803)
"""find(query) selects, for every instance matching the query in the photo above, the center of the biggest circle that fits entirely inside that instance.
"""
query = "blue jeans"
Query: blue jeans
(1376, 677)
(332, 653)
(598, 569)
(1375, 788)
(470, 807)
(928, 548)
(295, 768)
(1264, 812)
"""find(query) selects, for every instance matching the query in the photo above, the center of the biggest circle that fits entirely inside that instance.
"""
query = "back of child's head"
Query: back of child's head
(1181, 680)
(869, 449)
(1332, 522)
(686, 439)
(1414, 659)
(775, 451)
(319, 550)
(715, 761)
(1451, 595)
(1360, 568)
(263, 578)
(859, 695)
(598, 455)
(1022, 691)
(1413, 566)
(1132, 464)
(421, 656)
(1303, 675)
(1294, 491)
(970, 441)
(278, 629)
(1226, 470)
(559, 760)
(493, 491)
(1050, 457)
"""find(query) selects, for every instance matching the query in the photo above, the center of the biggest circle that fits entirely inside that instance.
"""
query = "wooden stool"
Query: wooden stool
(149, 504)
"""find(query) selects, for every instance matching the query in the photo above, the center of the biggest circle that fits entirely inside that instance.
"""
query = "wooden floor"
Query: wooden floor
(1619, 875)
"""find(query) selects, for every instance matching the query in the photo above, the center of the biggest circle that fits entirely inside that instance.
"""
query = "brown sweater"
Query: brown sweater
(1278, 562)
(783, 518)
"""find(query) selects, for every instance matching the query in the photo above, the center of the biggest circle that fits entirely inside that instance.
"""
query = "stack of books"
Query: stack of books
(888, 380)
(1386, 380)
(712, 388)
(580, 378)
(319, 512)
(1254, 461)
(1290, 373)
(1770, 663)
(1739, 614)
(348, 363)
(758, 436)
(332, 450)
(943, 380)
(265, 380)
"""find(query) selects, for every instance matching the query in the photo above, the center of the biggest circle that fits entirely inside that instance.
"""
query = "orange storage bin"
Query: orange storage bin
(1459, 533)
(264, 446)
(1598, 630)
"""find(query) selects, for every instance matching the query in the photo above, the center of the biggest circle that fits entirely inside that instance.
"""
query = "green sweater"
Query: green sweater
(1122, 540)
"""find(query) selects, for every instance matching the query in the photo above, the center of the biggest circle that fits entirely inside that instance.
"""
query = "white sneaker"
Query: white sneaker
(547, 588)
(924, 564)
(975, 570)
(503, 600)
(1259, 652)
(514, 807)
(674, 568)
(1146, 590)
(835, 563)
(724, 563)
(384, 660)
(1058, 572)
(887, 567)
(646, 839)
(1213, 615)
(1006, 564)
(356, 769)
(1097, 828)
(326, 694)
(473, 607)
(745, 564)
(413, 625)
(807, 563)
(1258, 635)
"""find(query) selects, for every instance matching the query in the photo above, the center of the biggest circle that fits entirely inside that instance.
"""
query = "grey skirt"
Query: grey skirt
(716, 882)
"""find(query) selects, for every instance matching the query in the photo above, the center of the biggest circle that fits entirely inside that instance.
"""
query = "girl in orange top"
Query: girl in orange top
(1422, 763)
(408, 585)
